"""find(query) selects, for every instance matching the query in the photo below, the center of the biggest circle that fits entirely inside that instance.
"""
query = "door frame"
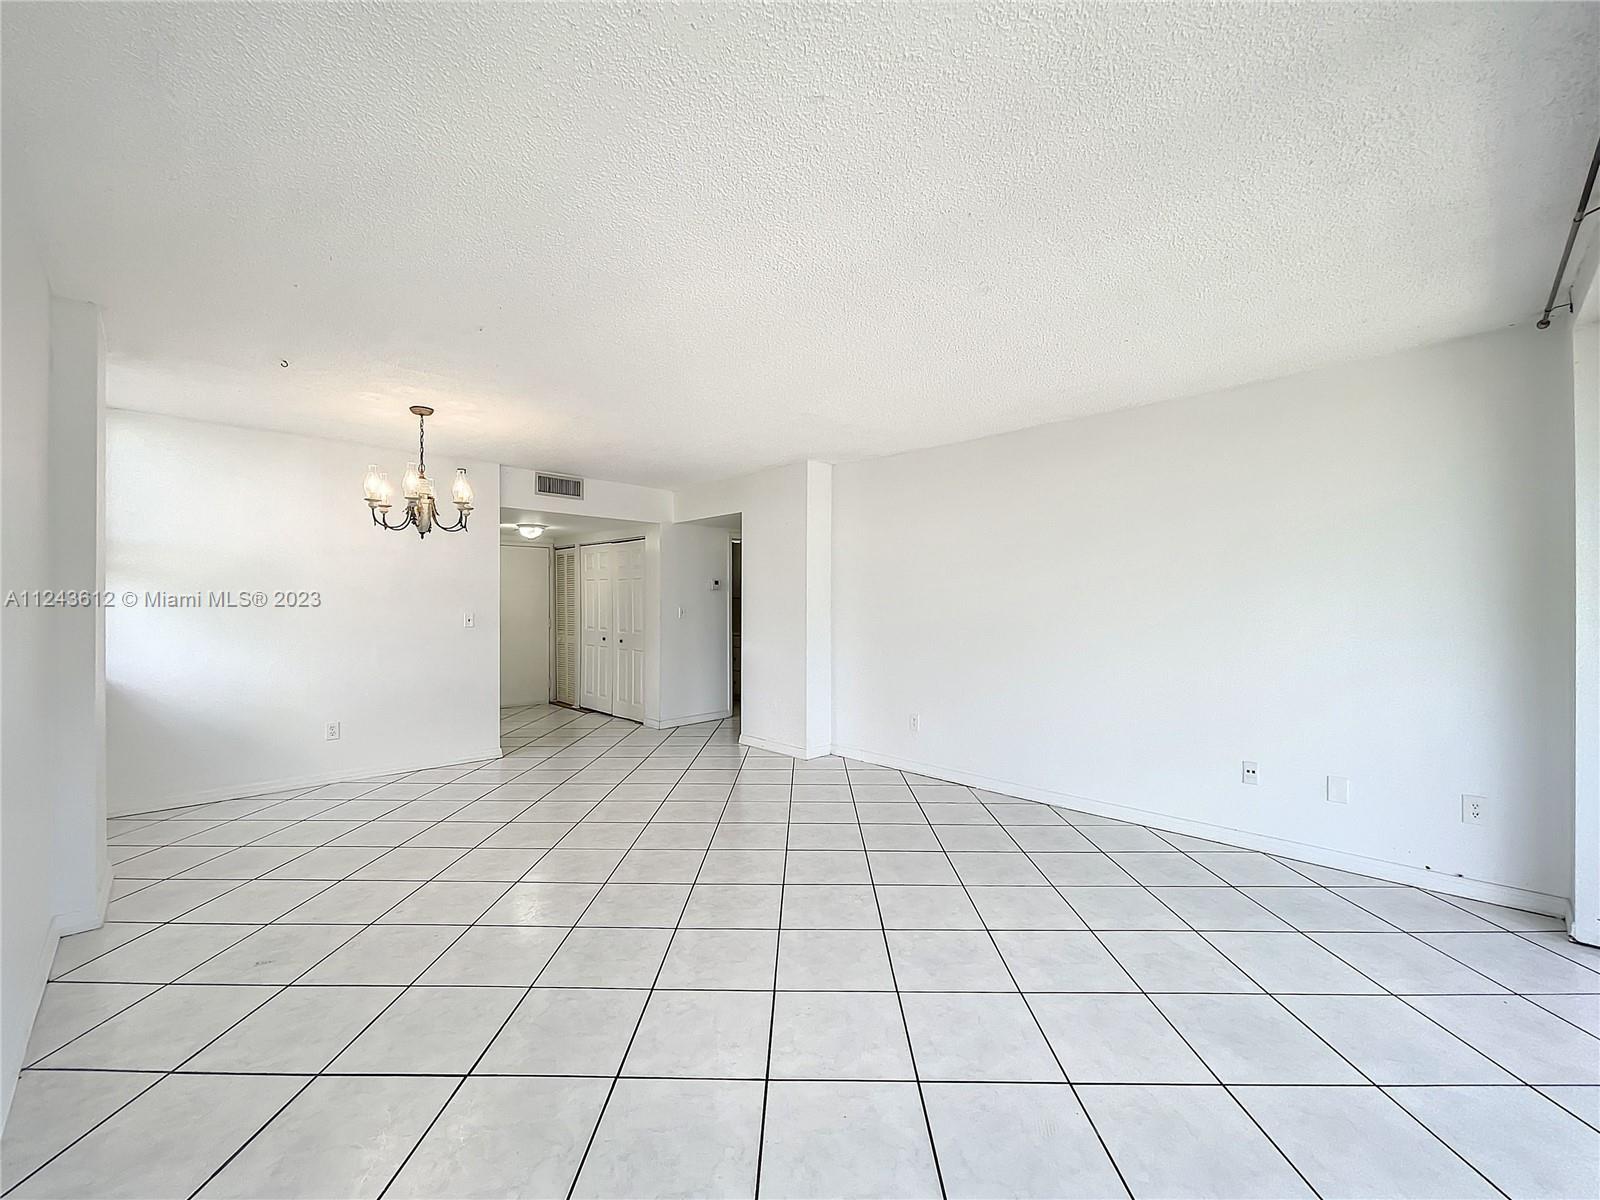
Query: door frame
(549, 615)
(577, 549)
(727, 637)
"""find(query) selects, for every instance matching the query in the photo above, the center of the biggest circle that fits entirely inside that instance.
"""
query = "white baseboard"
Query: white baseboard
(84, 919)
(263, 787)
(61, 925)
(698, 719)
(772, 744)
(34, 996)
(1323, 856)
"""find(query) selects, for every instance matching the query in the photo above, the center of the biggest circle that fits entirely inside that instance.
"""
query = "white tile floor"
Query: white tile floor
(619, 962)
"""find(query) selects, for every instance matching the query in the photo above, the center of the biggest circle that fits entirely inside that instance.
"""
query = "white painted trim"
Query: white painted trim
(241, 791)
(777, 747)
(61, 925)
(727, 621)
(37, 979)
(1378, 868)
(696, 719)
(1586, 932)
(83, 920)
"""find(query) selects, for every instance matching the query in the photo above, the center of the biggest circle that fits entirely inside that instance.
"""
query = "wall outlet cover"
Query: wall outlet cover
(1474, 810)
(1338, 789)
(1249, 772)
(332, 731)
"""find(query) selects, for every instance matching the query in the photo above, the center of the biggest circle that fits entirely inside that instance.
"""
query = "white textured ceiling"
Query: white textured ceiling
(662, 243)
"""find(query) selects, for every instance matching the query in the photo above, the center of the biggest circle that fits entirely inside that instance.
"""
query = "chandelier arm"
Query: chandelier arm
(461, 523)
(383, 520)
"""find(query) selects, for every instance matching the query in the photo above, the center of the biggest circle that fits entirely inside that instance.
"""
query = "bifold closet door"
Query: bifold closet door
(598, 652)
(630, 615)
(564, 617)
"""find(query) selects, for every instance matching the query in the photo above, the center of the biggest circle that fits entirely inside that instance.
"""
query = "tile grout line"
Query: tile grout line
(1293, 1166)
(777, 958)
(644, 1008)
(403, 990)
(1277, 999)
(160, 987)
(601, 756)
(1022, 995)
(900, 1003)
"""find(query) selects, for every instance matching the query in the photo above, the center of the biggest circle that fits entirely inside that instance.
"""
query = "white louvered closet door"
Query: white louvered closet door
(629, 624)
(565, 617)
(597, 647)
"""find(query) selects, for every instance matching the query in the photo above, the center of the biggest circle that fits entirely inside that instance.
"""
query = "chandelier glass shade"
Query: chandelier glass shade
(422, 505)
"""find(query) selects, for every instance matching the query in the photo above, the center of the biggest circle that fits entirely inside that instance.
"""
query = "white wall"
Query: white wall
(214, 702)
(819, 608)
(601, 498)
(524, 624)
(27, 827)
(785, 655)
(1363, 571)
(694, 623)
(76, 518)
(53, 872)
(1586, 682)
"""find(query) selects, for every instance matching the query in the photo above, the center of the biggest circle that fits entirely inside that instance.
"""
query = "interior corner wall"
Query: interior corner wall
(525, 624)
(694, 623)
(27, 938)
(1585, 923)
(779, 657)
(53, 875)
(76, 520)
(360, 626)
(819, 609)
(1361, 572)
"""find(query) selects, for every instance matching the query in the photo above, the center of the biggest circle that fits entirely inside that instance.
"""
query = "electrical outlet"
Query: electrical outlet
(1338, 789)
(1474, 810)
(332, 732)
(1249, 773)
(916, 723)
(469, 620)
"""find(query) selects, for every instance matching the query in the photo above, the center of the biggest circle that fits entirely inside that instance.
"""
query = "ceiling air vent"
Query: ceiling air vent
(559, 485)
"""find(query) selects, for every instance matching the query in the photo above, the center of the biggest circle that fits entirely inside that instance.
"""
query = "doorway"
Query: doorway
(735, 620)
(613, 627)
(524, 625)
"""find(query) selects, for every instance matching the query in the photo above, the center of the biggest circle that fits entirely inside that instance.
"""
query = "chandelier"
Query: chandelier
(421, 506)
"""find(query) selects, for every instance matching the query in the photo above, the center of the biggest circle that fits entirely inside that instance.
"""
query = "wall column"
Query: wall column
(74, 507)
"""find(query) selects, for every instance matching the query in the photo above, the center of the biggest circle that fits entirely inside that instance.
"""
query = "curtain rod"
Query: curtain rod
(1572, 236)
